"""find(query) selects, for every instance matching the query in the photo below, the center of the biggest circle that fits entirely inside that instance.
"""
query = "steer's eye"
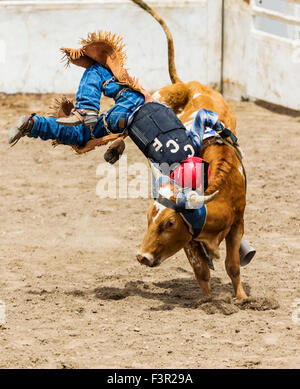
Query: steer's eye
(170, 223)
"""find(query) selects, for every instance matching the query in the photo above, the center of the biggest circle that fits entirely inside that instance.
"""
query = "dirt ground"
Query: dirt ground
(75, 295)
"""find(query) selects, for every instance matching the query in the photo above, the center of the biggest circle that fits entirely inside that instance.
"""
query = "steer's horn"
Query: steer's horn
(156, 172)
(196, 201)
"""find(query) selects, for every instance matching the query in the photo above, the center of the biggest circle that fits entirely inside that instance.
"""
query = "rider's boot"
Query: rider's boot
(22, 128)
(78, 116)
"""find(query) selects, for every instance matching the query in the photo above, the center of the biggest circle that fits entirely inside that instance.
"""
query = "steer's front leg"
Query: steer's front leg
(200, 267)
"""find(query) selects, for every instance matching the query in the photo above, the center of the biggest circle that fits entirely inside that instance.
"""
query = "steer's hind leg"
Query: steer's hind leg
(232, 261)
(200, 267)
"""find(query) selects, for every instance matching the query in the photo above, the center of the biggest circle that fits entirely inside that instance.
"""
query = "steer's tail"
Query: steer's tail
(171, 57)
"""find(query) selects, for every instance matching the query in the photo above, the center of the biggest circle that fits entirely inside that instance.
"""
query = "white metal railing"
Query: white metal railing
(259, 11)
(102, 3)
(273, 55)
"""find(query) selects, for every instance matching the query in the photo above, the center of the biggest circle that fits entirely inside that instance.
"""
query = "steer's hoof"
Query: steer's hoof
(114, 152)
(111, 156)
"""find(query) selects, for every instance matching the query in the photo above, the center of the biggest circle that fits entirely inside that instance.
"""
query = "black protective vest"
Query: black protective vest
(160, 135)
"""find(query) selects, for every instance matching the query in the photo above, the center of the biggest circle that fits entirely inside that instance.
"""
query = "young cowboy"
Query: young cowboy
(154, 127)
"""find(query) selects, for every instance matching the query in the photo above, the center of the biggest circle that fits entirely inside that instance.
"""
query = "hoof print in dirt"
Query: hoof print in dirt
(212, 306)
(258, 303)
(228, 306)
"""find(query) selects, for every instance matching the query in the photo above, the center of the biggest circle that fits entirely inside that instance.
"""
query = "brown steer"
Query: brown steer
(167, 232)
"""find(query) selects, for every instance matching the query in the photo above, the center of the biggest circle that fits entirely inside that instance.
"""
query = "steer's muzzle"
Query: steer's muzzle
(147, 259)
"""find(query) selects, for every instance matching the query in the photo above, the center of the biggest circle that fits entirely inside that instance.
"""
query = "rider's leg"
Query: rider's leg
(119, 116)
(88, 96)
(47, 128)
(115, 120)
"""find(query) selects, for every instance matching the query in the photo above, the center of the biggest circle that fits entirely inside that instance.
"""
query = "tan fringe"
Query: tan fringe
(56, 109)
(55, 143)
(70, 54)
(118, 45)
(114, 40)
(96, 142)
(57, 105)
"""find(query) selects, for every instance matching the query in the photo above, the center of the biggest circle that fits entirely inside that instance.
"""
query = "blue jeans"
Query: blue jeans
(88, 96)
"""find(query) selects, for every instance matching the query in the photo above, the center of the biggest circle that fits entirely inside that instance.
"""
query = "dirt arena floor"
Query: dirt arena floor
(75, 295)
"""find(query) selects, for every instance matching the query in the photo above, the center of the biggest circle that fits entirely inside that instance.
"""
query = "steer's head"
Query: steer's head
(167, 232)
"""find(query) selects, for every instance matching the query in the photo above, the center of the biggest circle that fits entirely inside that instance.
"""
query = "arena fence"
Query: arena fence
(221, 43)
(260, 64)
(275, 61)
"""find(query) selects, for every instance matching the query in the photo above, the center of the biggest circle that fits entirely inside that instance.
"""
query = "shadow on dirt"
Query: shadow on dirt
(179, 292)
(184, 293)
(278, 109)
